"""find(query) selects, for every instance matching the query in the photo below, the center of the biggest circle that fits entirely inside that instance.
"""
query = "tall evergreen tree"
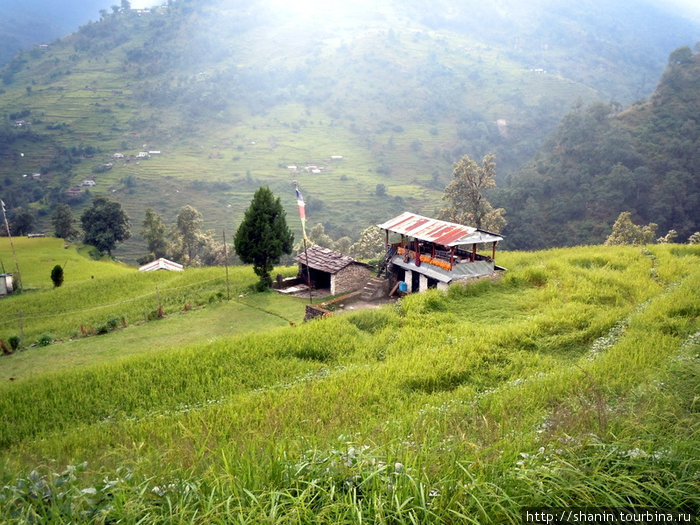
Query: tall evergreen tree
(263, 236)
(105, 224)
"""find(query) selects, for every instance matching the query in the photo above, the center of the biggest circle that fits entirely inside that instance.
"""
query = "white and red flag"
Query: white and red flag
(302, 212)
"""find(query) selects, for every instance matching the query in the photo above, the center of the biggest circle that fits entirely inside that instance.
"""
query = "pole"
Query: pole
(21, 330)
(228, 288)
(308, 272)
(12, 246)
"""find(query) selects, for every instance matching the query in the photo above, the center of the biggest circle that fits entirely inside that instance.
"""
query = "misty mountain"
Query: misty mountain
(235, 94)
(27, 23)
(602, 161)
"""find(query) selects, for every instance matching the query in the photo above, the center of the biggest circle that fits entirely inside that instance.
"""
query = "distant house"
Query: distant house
(118, 155)
(161, 264)
(336, 157)
(88, 182)
(333, 270)
(143, 155)
(154, 152)
(74, 192)
(6, 284)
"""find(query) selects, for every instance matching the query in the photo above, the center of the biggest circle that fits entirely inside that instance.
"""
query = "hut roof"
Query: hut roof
(325, 259)
(437, 231)
(161, 264)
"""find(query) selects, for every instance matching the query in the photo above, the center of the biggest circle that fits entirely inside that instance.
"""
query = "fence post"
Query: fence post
(21, 330)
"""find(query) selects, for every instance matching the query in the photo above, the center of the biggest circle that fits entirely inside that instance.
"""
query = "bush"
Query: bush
(57, 275)
(14, 341)
(45, 340)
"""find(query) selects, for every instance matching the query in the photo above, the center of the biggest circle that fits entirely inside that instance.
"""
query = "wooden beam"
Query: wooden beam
(473, 252)
(417, 253)
(494, 251)
(452, 258)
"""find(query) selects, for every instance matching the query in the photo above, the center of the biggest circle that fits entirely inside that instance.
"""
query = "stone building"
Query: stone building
(332, 270)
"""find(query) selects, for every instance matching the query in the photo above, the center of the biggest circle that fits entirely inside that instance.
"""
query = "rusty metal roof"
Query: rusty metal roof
(325, 259)
(437, 231)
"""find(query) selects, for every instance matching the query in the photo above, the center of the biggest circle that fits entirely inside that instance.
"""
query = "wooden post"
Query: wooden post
(494, 251)
(21, 330)
(417, 253)
(452, 258)
(387, 240)
(473, 252)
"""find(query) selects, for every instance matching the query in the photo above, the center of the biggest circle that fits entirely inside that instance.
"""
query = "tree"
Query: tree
(62, 220)
(370, 245)
(624, 231)
(22, 221)
(153, 231)
(105, 224)
(668, 238)
(464, 194)
(57, 276)
(263, 236)
(187, 230)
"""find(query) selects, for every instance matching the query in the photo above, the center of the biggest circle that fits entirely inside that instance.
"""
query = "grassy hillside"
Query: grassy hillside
(570, 382)
(98, 296)
(231, 93)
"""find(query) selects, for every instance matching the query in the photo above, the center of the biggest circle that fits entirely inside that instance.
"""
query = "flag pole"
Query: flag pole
(12, 246)
(302, 216)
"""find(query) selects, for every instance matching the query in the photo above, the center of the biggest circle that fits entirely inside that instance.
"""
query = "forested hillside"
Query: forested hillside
(602, 161)
(366, 104)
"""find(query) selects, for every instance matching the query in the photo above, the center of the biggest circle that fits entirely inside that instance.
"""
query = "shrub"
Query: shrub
(4, 348)
(14, 341)
(57, 275)
(45, 340)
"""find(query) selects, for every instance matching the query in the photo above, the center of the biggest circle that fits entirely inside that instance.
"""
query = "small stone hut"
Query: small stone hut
(333, 270)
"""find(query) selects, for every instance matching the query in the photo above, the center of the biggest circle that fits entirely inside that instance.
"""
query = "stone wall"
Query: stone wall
(352, 277)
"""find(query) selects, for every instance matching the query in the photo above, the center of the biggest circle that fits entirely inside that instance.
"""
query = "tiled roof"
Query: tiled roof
(324, 259)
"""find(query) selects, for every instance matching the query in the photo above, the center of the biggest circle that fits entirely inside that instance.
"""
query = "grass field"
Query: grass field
(572, 382)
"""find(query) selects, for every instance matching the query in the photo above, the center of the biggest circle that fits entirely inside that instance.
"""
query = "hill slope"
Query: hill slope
(231, 93)
(568, 383)
(602, 161)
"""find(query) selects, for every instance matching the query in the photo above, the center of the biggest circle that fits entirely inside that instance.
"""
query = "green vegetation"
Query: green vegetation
(263, 236)
(602, 162)
(569, 382)
(400, 99)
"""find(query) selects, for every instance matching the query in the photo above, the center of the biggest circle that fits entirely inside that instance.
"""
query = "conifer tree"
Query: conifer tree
(263, 236)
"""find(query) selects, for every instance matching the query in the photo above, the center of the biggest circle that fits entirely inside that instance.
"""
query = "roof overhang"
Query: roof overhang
(437, 231)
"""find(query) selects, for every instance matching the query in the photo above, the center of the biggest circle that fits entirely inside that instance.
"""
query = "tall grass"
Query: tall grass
(571, 382)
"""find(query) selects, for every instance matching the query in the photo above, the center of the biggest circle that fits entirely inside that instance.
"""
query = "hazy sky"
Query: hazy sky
(689, 8)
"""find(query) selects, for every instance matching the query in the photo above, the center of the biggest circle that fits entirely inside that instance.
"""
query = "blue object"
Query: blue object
(403, 287)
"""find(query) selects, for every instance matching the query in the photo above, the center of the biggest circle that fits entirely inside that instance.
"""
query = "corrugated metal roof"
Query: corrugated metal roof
(437, 231)
(324, 259)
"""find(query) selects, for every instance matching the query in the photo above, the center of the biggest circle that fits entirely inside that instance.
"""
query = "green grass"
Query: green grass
(570, 382)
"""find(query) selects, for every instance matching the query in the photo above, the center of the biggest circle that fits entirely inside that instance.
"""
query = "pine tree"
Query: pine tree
(263, 236)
